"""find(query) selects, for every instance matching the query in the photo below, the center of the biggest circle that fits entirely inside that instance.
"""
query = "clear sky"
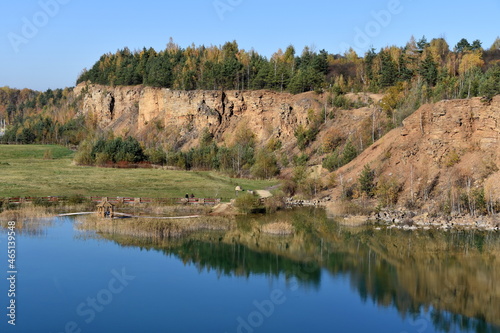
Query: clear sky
(46, 43)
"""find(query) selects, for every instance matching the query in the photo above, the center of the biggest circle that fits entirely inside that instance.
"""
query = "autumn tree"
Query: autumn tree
(496, 44)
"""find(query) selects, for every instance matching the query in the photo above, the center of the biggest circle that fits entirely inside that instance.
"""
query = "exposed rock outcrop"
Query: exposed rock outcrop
(132, 109)
(441, 148)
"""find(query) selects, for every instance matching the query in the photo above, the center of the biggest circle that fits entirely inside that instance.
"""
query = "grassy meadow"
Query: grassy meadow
(47, 170)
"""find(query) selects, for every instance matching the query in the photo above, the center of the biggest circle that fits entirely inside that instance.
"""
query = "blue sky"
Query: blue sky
(46, 43)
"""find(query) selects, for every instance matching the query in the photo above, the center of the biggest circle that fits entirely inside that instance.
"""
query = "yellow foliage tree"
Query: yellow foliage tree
(470, 60)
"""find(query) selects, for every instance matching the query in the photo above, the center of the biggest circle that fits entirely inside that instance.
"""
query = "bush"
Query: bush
(101, 159)
(300, 160)
(84, 154)
(331, 181)
(42, 203)
(332, 161)
(341, 102)
(289, 187)
(104, 151)
(305, 136)
(265, 165)
(247, 203)
(76, 199)
(387, 191)
(311, 186)
(274, 203)
(331, 140)
(156, 156)
(349, 153)
(452, 158)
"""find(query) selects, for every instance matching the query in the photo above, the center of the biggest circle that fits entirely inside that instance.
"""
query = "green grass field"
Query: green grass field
(25, 172)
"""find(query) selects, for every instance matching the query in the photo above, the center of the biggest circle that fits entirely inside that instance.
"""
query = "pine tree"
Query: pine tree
(404, 73)
(462, 45)
(388, 70)
(366, 181)
(428, 70)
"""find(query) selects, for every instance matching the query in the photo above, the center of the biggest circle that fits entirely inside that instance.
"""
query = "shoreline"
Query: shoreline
(408, 220)
(387, 219)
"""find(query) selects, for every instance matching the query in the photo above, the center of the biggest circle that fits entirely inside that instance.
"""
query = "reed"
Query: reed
(26, 212)
(278, 228)
(154, 228)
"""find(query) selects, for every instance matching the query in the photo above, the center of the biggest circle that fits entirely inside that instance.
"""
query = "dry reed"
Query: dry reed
(278, 228)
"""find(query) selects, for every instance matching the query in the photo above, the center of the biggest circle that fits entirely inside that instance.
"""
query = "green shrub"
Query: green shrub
(350, 153)
(341, 102)
(265, 166)
(101, 159)
(76, 199)
(332, 161)
(247, 203)
(156, 156)
(300, 160)
(42, 203)
(305, 136)
(84, 154)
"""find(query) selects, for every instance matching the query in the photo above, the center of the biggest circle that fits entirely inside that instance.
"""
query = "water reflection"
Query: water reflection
(28, 227)
(453, 276)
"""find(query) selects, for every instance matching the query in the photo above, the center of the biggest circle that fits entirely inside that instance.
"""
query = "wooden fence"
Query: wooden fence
(115, 200)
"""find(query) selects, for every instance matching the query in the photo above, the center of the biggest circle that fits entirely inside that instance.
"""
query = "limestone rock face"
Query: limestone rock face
(111, 107)
(133, 109)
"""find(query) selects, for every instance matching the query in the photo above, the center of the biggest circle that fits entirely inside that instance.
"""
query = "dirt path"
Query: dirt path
(264, 193)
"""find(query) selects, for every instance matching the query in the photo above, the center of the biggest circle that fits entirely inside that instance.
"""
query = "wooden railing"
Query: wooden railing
(116, 200)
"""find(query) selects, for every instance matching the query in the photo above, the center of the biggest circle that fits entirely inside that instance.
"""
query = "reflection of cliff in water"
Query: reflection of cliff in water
(447, 272)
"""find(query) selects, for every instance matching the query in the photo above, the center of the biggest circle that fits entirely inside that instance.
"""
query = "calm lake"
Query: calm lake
(324, 278)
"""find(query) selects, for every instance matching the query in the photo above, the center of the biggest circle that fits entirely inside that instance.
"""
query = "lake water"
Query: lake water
(325, 278)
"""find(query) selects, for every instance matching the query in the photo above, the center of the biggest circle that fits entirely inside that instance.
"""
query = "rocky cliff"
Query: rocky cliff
(135, 110)
(443, 151)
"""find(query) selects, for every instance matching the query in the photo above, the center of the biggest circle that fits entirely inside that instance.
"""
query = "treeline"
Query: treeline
(211, 68)
(15, 104)
(41, 117)
(241, 158)
(45, 130)
(456, 73)
(109, 151)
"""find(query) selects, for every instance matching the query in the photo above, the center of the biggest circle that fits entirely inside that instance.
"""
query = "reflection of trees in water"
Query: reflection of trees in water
(229, 259)
(453, 271)
(211, 253)
(452, 276)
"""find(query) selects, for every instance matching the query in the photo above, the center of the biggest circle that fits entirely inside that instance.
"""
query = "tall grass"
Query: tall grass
(151, 228)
